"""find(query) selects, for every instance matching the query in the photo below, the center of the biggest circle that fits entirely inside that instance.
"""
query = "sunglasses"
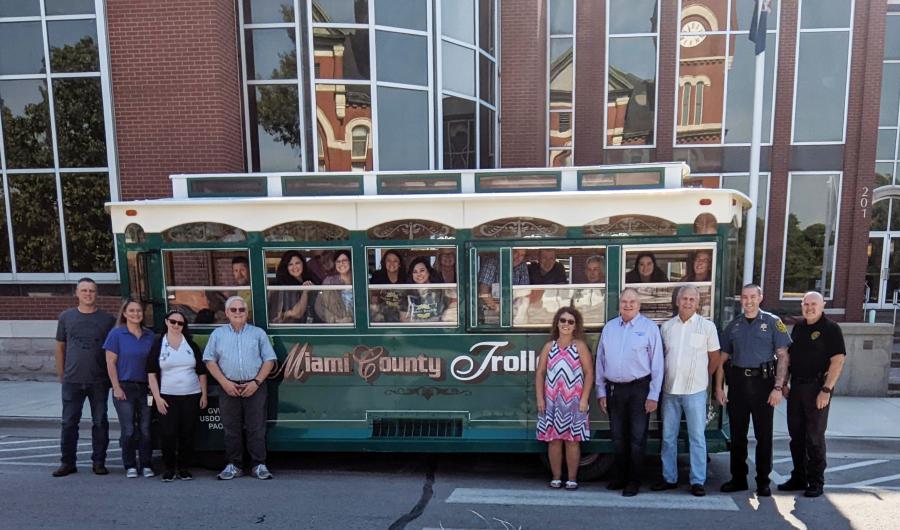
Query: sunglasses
(569, 321)
(238, 309)
(175, 322)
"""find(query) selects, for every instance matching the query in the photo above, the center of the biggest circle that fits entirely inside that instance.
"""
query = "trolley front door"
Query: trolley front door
(883, 270)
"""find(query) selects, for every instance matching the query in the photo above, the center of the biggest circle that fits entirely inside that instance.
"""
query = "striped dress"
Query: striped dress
(562, 392)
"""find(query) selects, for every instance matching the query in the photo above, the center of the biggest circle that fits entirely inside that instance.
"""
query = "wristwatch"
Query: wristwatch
(827, 390)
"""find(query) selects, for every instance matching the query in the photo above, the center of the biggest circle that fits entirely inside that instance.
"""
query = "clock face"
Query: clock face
(692, 26)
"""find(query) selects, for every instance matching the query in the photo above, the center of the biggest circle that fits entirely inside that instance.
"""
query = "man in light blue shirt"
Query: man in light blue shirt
(629, 378)
(240, 357)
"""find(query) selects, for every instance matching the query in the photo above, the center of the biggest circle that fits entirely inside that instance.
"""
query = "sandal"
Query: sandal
(571, 485)
(556, 484)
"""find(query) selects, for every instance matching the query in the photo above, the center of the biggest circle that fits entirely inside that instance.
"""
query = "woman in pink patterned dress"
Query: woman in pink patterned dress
(563, 380)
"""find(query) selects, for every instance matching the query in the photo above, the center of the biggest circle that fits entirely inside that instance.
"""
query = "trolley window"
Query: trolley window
(413, 286)
(198, 282)
(658, 271)
(308, 286)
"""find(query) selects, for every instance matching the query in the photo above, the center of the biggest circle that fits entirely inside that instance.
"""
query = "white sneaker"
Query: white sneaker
(231, 471)
(148, 473)
(262, 472)
(131, 473)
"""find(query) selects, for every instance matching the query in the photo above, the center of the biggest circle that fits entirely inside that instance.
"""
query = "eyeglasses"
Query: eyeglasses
(175, 322)
(567, 321)
(238, 309)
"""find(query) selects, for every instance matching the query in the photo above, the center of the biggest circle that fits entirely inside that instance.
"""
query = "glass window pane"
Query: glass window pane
(811, 234)
(271, 53)
(631, 80)
(702, 84)
(895, 214)
(892, 37)
(739, 111)
(197, 281)
(741, 183)
(486, 79)
(20, 8)
(486, 141)
(486, 22)
(703, 15)
(561, 17)
(632, 16)
(560, 158)
(404, 113)
(402, 58)
(742, 14)
(887, 142)
(562, 74)
(69, 7)
(879, 213)
(821, 87)
(80, 129)
(5, 263)
(203, 232)
(275, 116)
(35, 223)
(261, 11)
(26, 123)
(351, 11)
(873, 267)
(459, 133)
(560, 129)
(825, 14)
(341, 53)
(339, 109)
(21, 48)
(73, 46)
(89, 241)
(458, 20)
(411, 14)
(458, 68)
(890, 95)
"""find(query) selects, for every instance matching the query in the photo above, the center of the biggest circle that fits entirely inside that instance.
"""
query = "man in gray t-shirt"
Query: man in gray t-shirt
(81, 366)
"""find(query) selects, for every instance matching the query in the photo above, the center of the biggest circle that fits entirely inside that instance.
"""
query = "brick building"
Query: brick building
(104, 99)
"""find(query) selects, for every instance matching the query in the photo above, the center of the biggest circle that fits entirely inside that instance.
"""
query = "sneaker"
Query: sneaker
(100, 469)
(793, 484)
(262, 472)
(64, 470)
(168, 476)
(131, 473)
(185, 475)
(148, 472)
(231, 471)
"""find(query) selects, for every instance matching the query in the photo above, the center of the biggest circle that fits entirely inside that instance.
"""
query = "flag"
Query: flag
(758, 24)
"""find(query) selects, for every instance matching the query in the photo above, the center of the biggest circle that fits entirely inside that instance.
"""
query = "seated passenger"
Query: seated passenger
(424, 304)
(701, 267)
(386, 304)
(489, 278)
(336, 306)
(645, 270)
(446, 265)
(593, 270)
(547, 270)
(290, 307)
(590, 301)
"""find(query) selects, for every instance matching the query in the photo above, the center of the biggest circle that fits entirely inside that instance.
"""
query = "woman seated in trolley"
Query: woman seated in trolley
(427, 304)
(335, 306)
(387, 304)
(645, 270)
(701, 267)
(290, 307)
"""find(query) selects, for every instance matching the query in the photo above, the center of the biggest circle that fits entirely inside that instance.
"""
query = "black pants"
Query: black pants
(244, 415)
(806, 425)
(628, 424)
(748, 399)
(177, 429)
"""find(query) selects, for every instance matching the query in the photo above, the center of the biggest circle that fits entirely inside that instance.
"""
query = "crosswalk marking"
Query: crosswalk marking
(56, 446)
(854, 465)
(543, 497)
(872, 481)
(43, 440)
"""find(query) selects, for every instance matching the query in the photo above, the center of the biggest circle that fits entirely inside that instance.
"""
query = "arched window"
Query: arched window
(360, 139)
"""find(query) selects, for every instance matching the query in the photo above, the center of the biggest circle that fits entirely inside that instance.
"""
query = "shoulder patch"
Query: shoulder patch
(780, 325)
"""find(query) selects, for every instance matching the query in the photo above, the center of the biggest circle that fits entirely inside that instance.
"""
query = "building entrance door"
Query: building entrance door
(883, 270)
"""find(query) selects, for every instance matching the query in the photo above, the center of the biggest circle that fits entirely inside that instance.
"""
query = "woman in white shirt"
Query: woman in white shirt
(177, 377)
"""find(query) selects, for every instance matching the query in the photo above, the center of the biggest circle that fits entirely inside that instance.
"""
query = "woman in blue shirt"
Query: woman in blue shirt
(127, 347)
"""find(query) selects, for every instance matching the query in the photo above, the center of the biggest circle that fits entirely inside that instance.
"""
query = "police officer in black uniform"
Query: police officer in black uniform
(755, 352)
(817, 358)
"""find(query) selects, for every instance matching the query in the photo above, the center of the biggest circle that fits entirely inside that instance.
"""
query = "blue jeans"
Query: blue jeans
(694, 407)
(134, 423)
(73, 396)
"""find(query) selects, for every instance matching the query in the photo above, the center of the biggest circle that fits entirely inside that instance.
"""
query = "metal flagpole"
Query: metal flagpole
(759, 37)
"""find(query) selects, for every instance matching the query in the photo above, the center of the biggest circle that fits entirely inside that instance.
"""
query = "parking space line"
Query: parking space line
(603, 499)
(854, 465)
(42, 440)
(782, 460)
(872, 481)
(56, 446)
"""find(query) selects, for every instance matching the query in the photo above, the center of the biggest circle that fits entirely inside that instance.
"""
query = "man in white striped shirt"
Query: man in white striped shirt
(691, 345)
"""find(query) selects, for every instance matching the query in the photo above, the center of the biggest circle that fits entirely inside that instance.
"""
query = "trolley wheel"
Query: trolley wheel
(592, 466)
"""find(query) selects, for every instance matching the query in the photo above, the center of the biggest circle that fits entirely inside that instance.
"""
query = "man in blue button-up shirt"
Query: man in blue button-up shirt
(629, 378)
(240, 357)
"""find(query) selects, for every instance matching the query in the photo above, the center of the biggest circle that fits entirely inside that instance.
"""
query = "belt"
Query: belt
(640, 380)
(746, 372)
(244, 382)
(817, 380)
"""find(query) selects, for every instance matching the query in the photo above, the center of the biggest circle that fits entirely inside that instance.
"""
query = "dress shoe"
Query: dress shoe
(662, 485)
(64, 470)
(697, 490)
(763, 491)
(732, 485)
(99, 469)
(793, 484)
(616, 485)
(813, 492)
(630, 490)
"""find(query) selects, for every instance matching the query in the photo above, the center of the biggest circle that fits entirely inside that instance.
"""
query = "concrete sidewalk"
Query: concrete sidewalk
(850, 417)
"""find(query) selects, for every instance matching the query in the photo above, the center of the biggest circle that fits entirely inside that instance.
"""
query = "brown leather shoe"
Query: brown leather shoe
(64, 470)
(100, 469)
